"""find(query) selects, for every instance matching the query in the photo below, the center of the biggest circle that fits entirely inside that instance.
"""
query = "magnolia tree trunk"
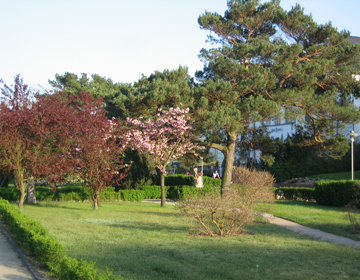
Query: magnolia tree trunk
(31, 194)
(229, 163)
(162, 183)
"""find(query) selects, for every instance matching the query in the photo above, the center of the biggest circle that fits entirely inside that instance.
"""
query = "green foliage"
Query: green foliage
(132, 195)
(97, 86)
(336, 193)
(4, 180)
(185, 192)
(176, 192)
(295, 160)
(295, 193)
(180, 179)
(210, 181)
(61, 194)
(142, 172)
(10, 194)
(160, 90)
(45, 248)
(253, 72)
(152, 192)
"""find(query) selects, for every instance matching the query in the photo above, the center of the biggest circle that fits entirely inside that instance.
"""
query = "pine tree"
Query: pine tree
(268, 59)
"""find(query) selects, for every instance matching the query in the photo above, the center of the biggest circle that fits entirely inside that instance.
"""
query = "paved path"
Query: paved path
(315, 233)
(11, 265)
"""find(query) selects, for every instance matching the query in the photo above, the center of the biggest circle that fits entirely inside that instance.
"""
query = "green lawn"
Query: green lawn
(338, 176)
(145, 241)
(325, 218)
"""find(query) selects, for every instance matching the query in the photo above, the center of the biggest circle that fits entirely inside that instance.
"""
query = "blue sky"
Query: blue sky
(120, 39)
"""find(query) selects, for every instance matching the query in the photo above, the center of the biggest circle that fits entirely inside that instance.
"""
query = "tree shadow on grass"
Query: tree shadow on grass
(58, 205)
(149, 226)
(313, 205)
(249, 257)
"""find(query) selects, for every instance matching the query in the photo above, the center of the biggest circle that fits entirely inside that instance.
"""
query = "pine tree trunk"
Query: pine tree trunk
(229, 162)
(162, 183)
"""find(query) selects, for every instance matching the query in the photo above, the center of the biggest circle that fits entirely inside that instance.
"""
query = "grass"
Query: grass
(325, 218)
(145, 241)
(338, 176)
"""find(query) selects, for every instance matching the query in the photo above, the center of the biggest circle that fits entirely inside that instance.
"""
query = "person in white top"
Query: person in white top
(216, 175)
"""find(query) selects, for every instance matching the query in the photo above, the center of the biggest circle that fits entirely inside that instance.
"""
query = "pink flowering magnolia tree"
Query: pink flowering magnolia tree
(166, 138)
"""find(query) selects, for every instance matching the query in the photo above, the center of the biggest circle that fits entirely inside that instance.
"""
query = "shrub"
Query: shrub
(4, 180)
(258, 185)
(188, 180)
(187, 191)
(132, 195)
(295, 193)
(152, 192)
(11, 194)
(179, 179)
(227, 215)
(336, 193)
(209, 181)
(353, 211)
(215, 215)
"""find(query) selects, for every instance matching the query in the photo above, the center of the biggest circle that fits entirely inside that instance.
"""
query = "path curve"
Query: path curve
(314, 233)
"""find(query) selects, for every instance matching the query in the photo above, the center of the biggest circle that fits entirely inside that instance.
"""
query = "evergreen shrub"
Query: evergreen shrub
(179, 179)
(152, 192)
(77, 194)
(210, 181)
(10, 194)
(4, 180)
(188, 180)
(132, 195)
(336, 193)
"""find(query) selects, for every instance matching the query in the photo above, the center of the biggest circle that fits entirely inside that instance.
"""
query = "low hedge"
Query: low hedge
(10, 194)
(211, 182)
(153, 192)
(185, 191)
(187, 180)
(337, 193)
(295, 193)
(73, 194)
(178, 179)
(44, 247)
(175, 192)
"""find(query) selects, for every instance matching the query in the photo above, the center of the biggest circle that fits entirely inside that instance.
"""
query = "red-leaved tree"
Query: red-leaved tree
(47, 136)
(97, 149)
(166, 138)
(34, 131)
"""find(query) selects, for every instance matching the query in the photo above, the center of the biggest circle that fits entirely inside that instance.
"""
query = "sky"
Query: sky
(121, 39)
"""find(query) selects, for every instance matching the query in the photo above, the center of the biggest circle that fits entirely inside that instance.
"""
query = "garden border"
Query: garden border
(25, 260)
